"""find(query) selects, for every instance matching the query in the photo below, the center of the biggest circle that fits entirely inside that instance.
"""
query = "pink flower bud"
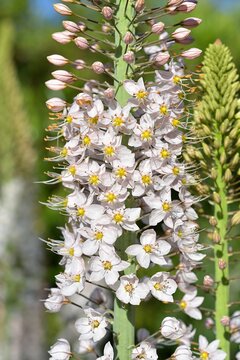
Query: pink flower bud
(222, 264)
(55, 85)
(139, 6)
(70, 26)
(162, 58)
(62, 9)
(129, 57)
(158, 27)
(191, 53)
(208, 281)
(98, 67)
(186, 41)
(57, 60)
(95, 47)
(225, 320)
(56, 104)
(79, 64)
(106, 28)
(186, 6)
(63, 37)
(191, 22)
(209, 323)
(82, 26)
(81, 42)
(180, 33)
(128, 38)
(109, 93)
(107, 12)
(63, 76)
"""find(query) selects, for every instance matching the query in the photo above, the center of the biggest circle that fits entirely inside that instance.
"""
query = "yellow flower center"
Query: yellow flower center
(146, 179)
(98, 235)
(64, 152)
(184, 181)
(121, 172)
(107, 265)
(175, 170)
(146, 135)
(80, 211)
(76, 278)
(95, 324)
(204, 355)
(110, 197)
(109, 150)
(118, 218)
(166, 206)
(93, 120)
(69, 119)
(175, 122)
(176, 79)
(71, 251)
(147, 248)
(93, 179)
(164, 153)
(183, 304)
(72, 170)
(179, 233)
(86, 140)
(163, 109)
(157, 286)
(128, 288)
(141, 94)
(118, 121)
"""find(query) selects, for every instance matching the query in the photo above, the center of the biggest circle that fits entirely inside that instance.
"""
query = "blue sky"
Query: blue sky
(44, 8)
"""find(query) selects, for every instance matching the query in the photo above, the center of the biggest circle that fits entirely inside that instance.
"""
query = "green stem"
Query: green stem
(123, 327)
(221, 252)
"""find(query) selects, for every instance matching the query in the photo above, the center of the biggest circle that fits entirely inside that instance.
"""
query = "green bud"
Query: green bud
(214, 174)
(213, 221)
(223, 158)
(224, 126)
(235, 160)
(233, 133)
(216, 198)
(206, 149)
(228, 175)
(227, 141)
(236, 218)
(217, 143)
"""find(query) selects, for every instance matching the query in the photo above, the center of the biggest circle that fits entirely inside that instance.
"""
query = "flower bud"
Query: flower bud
(56, 104)
(213, 221)
(174, 2)
(60, 350)
(107, 12)
(129, 57)
(82, 26)
(225, 320)
(171, 328)
(180, 33)
(222, 264)
(55, 301)
(106, 28)
(70, 26)
(63, 37)
(81, 42)
(186, 6)
(209, 323)
(191, 22)
(95, 47)
(158, 28)
(62, 9)
(191, 53)
(57, 60)
(216, 198)
(79, 64)
(236, 218)
(128, 38)
(161, 58)
(208, 281)
(186, 41)
(139, 6)
(64, 76)
(98, 67)
(109, 93)
(55, 85)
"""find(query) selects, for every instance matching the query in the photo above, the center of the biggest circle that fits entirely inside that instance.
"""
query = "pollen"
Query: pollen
(95, 324)
(164, 153)
(121, 172)
(179, 233)
(176, 79)
(71, 251)
(86, 140)
(98, 235)
(146, 135)
(128, 288)
(175, 170)
(76, 278)
(64, 152)
(146, 179)
(166, 206)
(157, 286)
(183, 306)
(147, 248)
(93, 120)
(175, 122)
(69, 119)
(141, 94)
(163, 109)
(204, 355)
(118, 121)
(107, 265)
(110, 197)
(80, 211)
(118, 218)
(109, 150)
(72, 170)
(93, 179)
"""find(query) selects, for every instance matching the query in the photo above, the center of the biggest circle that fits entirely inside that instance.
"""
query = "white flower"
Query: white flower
(136, 89)
(107, 352)
(130, 290)
(235, 327)
(171, 328)
(189, 304)
(144, 351)
(182, 352)
(85, 346)
(55, 300)
(125, 217)
(210, 351)
(162, 286)
(93, 326)
(106, 266)
(150, 249)
(60, 350)
(73, 279)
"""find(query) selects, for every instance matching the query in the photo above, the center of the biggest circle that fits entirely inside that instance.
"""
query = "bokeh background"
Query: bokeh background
(26, 267)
